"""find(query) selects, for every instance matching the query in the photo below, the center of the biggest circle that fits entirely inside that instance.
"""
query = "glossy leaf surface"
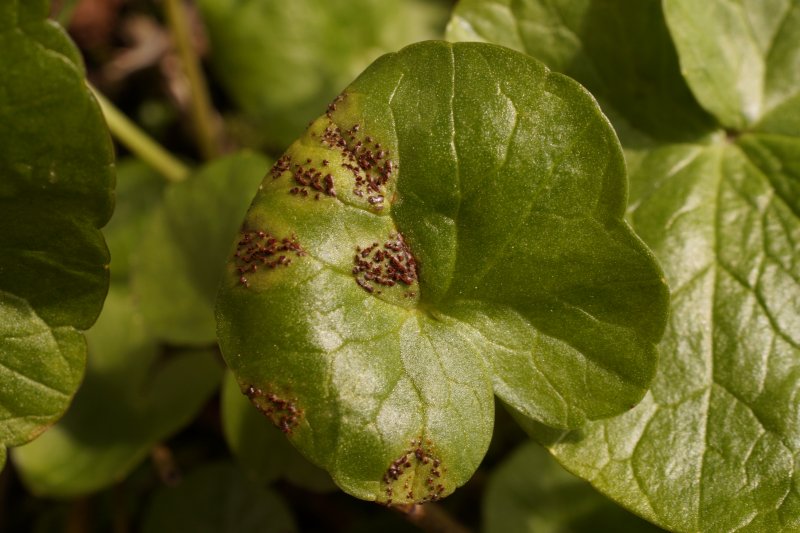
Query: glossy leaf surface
(452, 226)
(713, 445)
(530, 492)
(182, 255)
(216, 498)
(56, 180)
(282, 62)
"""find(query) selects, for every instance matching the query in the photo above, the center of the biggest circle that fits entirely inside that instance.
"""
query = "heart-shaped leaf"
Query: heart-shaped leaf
(135, 394)
(56, 171)
(216, 498)
(129, 401)
(451, 226)
(713, 446)
(530, 492)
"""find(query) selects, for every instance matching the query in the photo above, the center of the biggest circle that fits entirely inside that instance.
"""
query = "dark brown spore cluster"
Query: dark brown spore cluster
(369, 162)
(418, 455)
(259, 249)
(283, 413)
(385, 265)
(307, 176)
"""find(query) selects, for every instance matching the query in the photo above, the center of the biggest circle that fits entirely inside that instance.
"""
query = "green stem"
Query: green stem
(138, 142)
(201, 109)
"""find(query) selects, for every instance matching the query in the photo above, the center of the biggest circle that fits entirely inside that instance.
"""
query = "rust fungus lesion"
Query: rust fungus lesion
(261, 250)
(308, 177)
(385, 265)
(283, 413)
(364, 157)
(416, 476)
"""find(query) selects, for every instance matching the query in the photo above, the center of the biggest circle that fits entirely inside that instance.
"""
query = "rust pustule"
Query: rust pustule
(414, 475)
(385, 265)
(260, 249)
(370, 164)
(283, 413)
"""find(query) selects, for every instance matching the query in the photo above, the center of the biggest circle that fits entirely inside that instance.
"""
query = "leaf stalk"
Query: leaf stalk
(141, 144)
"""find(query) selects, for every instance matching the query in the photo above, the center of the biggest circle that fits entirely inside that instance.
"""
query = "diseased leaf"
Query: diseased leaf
(713, 446)
(182, 256)
(130, 400)
(530, 492)
(216, 498)
(261, 450)
(281, 62)
(56, 178)
(453, 224)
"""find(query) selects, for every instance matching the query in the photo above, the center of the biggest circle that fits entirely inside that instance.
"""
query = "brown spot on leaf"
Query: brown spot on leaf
(414, 476)
(283, 413)
(387, 265)
(261, 249)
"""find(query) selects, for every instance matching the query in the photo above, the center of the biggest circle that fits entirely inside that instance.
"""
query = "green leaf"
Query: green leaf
(374, 300)
(281, 62)
(217, 498)
(140, 191)
(131, 399)
(182, 255)
(740, 58)
(261, 450)
(530, 492)
(56, 172)
(712, 447)
(620, 50)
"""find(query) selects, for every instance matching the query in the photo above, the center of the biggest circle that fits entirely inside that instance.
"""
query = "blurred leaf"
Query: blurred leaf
(139, 192)
(217, 498)
(506, 185)
(712, 447)
(262, 451)
(56, 180)
(530, 492)
(182, 255)
(281, 62)
(741, 59)
(132, 398)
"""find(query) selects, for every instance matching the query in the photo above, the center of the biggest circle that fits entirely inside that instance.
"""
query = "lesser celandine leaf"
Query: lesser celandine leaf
(218, 497)
(136, 393)
(740, 58)
(530, 493)
(56, 178)
(130, 401)
(620, 50)
(713, 446)
(452, 226)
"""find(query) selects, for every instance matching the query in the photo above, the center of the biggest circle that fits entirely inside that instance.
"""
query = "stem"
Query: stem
(138, 142)
(430, 518)
(165, 465)
(201, 108)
